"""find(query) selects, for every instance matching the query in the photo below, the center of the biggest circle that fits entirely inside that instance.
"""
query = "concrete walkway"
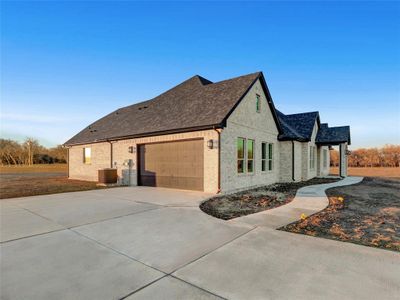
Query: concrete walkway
(308, 200)
(152, 243)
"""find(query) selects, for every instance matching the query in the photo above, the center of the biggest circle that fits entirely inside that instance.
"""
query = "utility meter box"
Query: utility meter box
(128, 163)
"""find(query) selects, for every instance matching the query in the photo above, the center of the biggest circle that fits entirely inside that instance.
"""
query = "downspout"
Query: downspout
(111, 154)
(293, 177)
(219, 160)
(68, 162)
(340, 161)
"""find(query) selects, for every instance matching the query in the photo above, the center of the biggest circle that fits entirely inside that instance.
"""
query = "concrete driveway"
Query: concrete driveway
(148, 243)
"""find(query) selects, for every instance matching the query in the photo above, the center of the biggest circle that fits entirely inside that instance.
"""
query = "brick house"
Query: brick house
(207, 136)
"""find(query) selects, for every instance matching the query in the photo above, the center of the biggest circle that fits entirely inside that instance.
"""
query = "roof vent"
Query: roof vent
(142, 107)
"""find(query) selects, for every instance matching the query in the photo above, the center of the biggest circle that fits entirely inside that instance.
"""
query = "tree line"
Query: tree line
(387, 156)
(30, 152)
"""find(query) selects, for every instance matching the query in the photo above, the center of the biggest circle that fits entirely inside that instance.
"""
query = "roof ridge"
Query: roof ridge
(203, 80)
(304, 113)
(237, 77)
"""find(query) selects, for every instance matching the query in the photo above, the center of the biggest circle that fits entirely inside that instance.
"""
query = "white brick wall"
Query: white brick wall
(245, 122)
(323, 170)
(286, 161)
(307, 172)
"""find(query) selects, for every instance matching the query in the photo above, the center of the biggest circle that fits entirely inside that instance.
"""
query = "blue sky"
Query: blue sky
(66, 64)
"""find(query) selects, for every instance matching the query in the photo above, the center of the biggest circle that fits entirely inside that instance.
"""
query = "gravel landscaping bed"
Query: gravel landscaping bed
(366, 213)
(255, 200)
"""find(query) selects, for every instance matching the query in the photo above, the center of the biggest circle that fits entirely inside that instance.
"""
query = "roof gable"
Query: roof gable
(333, 135)
(298, 126)
(196, 103)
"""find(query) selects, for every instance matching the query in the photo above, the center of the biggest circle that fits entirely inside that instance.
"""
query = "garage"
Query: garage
(178, 164)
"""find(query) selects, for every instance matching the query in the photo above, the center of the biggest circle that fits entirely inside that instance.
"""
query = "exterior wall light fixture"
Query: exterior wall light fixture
(131, 149)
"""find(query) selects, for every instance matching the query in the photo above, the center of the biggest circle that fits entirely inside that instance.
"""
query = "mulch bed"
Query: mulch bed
(251, 201)
(369, 214)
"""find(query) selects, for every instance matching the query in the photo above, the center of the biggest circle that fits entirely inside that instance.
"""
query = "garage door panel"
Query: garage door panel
(173, 164)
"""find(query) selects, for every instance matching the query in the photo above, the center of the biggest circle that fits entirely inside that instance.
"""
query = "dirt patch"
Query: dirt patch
(239, 204)
(21, 185)
(367, 213)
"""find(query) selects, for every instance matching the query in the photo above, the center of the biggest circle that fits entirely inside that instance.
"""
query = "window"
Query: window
(263, 157)
(258, 103)
(240, 155)
(325, 158)
(87, 155)
(267, 158)
(250, 156)
(270, 157)
(312, 157)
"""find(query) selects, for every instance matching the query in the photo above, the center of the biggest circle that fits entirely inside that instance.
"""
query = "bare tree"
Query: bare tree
(387, 156)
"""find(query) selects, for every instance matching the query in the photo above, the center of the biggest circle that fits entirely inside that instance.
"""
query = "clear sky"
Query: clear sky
(66, 64)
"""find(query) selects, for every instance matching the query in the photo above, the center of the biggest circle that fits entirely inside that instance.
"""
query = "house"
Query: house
(213, 137)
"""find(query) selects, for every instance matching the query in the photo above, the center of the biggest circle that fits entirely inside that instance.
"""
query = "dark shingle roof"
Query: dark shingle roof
(333, 135)
(297, 127)
(195, 103)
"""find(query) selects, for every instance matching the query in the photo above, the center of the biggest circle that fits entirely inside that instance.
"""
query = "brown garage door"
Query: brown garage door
(173, 164)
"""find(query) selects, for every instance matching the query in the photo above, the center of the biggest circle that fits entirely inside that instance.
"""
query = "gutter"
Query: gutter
(219, 160)
(134, 136)
(293, 177)
(68, 162)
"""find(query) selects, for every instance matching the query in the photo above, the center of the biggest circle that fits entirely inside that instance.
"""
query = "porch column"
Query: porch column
(343, 159)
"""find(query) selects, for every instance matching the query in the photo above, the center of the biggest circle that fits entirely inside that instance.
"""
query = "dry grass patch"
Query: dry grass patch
(22, 181)
(31, 186)
(42, 168)
(371, 172)
(367, 213)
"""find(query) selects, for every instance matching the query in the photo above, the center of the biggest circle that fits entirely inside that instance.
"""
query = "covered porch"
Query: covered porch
(336, 136)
